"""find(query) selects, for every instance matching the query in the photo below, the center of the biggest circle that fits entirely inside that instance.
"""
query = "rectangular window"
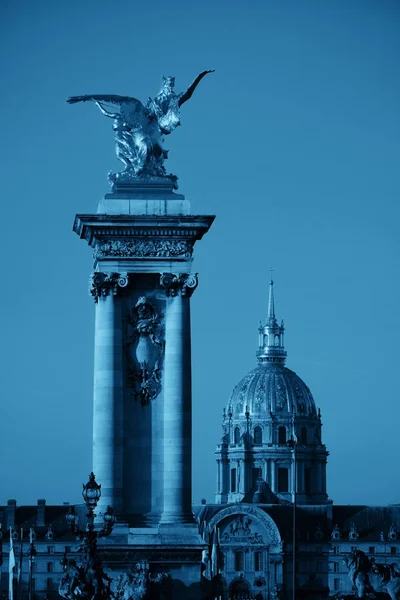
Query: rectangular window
(49, 583)
(336, 550)
(256, 473)
(50, 549)
(336, 567)
(353, 548)
(33, 583)
(283, 480)
(372, 549)
(336, 584)
(239, 561)
(307, 481)
(34, 567)
(50, 567)
(67, 549)
(393, 550)
(233, 480)
(258, 561)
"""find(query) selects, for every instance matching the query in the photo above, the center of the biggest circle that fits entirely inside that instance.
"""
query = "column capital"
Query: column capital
(183, 283)
(102, 284)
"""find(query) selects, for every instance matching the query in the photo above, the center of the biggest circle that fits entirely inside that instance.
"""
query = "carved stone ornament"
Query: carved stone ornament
(240, 529)
(102, 284)
(144, 248)
(370, 577)
(241, 525)
(183, 283)
(336, 533)
(353, 534)
(139, 584)
(393, 535)
(276, 592)
(272, 532)
(86, 580)
(145, 351)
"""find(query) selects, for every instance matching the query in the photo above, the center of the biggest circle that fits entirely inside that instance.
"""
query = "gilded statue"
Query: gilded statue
(139, 130)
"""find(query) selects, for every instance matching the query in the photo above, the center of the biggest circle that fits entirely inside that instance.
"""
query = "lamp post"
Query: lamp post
(31, 556)
(292, 443)
(92, 571)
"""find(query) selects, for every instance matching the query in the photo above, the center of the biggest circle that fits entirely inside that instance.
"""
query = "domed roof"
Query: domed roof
(271, 388)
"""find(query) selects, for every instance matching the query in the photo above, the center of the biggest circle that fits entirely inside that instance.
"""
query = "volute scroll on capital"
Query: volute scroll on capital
(102, 284)
(183, 283)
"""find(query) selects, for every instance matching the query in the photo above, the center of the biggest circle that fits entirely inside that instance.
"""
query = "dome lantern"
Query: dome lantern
(271, 335)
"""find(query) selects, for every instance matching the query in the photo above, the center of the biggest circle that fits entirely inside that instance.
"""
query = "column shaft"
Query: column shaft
(273, 485)
(177, 412)
(108, 396)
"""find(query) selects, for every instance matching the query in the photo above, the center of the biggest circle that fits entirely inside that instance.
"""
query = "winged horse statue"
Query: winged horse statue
(139, 129)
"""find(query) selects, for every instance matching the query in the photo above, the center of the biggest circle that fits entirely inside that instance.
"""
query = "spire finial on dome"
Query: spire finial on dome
(271, 301)
(271, 334)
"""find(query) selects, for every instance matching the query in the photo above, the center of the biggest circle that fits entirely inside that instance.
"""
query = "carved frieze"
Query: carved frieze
(142, 248)
(103, 284)
(241, 531)
(241, 525)
(181, 283)
(272, 536)
(145, 351)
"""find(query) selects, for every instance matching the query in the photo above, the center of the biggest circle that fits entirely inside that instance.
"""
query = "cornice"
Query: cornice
(93, 227)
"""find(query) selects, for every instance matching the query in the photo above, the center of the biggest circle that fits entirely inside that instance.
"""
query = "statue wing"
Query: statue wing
(189, 92)
(104, 98)
(131, 109)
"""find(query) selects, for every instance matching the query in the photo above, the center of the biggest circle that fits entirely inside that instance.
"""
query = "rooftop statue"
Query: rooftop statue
(139, 129)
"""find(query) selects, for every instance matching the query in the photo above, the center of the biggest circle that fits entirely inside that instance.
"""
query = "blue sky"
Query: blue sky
(293, 143)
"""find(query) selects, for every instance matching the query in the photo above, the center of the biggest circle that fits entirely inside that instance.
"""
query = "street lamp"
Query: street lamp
(91, 493)
(292, 443)
(31, 556)
(91, 574)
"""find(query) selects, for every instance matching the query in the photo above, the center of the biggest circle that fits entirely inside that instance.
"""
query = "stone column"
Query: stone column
(273, 473)
(177, 400)
(108, 388)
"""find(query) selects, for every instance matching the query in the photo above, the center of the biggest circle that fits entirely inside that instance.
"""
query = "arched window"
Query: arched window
(236, 436)
(282, 435)
(265, 340)
(239, 561)
(257, 435)
(304, 436)
(277, 341)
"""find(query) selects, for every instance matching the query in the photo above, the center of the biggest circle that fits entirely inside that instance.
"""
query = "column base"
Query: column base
(171, 519)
